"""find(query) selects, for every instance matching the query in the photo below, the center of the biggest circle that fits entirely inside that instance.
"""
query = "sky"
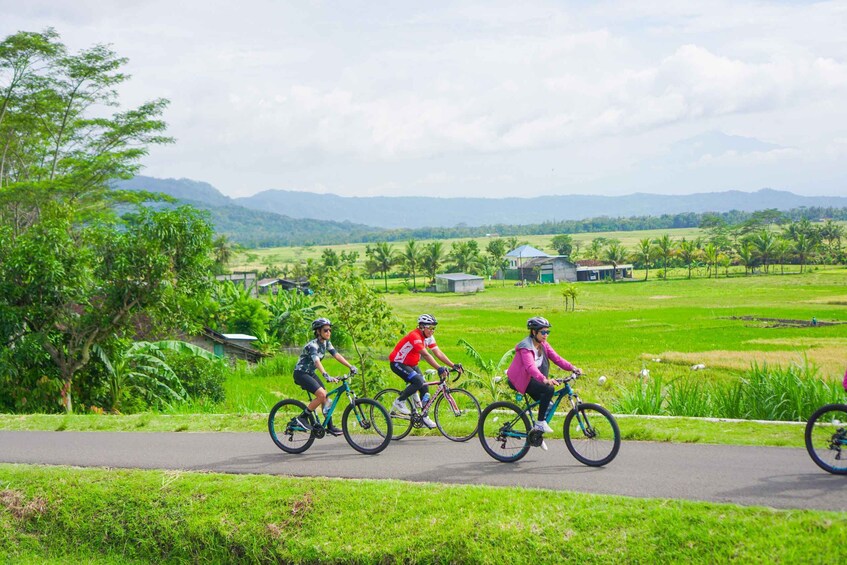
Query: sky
(480, 99)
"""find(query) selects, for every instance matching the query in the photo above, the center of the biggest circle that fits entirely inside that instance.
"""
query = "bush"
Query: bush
(201, 378)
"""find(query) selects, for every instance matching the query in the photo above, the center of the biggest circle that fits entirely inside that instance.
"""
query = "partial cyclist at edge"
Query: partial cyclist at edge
(404, 361)
(530, 368)
(309, 365)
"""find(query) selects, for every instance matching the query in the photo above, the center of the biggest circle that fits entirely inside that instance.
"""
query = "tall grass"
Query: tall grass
(765, 393)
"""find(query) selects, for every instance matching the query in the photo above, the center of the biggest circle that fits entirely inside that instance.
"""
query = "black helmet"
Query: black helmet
(537, 323)
(321, 322)
(427, 320)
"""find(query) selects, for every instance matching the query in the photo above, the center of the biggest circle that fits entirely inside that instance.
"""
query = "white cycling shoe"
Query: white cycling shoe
(427, 422)
(400, 407)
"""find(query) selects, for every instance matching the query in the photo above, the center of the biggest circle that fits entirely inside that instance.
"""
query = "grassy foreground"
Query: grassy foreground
(122, 516)
(670, 429)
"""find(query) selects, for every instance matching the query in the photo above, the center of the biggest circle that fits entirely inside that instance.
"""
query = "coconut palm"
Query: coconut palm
(645, 253)
(432, 259)
(385, 257)
(666, 248)
(615, 254)
(689, 252)
(411, 258)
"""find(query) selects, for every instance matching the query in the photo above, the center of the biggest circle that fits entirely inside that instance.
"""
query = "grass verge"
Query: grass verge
(117, 515)
(668, 429)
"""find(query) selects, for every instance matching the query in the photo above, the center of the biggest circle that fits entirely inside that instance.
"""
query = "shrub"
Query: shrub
(201, 378)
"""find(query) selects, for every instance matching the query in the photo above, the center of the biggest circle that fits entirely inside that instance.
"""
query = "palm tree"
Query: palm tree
(222, 247)
(688, 251)
(746, 255)
(710, 255)
(781, 249)
(615, 254)
(432, 259)
(804, 246)
(645, 252)
(385, 257)
(763, 243)
(466, 255)
(666, 249)
(411, 257)
(497, 249)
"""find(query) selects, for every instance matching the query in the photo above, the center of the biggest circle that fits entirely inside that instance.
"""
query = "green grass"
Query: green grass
(120, 516)
(673, 429)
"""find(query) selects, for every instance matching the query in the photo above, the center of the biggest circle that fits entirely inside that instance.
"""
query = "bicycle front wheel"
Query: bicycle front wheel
(289, 435)
(826, 438)
(504, 431)
(592, 435)
(401, 423)
(366, 426)
(457, 414)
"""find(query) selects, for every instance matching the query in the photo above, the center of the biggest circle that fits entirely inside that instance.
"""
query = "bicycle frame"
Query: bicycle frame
(442, 388)
(559, 395)
(344, 387)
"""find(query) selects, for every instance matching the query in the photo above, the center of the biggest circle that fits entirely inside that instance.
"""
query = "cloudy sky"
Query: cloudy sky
(481, 98)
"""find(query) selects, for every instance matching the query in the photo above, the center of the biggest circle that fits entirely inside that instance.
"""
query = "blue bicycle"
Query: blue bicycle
(826, 438)
(365, 423)
(591, 432)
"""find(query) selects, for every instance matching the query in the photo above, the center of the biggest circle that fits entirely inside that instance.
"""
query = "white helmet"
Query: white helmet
(427, 320)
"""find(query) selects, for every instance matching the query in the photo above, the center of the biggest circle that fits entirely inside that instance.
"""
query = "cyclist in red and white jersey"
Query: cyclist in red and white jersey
(405, 357)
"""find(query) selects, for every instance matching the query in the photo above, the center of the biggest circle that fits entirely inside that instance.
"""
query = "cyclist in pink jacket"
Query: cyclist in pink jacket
(530, 369)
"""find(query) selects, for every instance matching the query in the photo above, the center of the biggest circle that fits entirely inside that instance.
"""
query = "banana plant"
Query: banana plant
(491, 372)
(141, 368)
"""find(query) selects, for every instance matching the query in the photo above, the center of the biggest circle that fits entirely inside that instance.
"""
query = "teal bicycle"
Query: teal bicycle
(365, 423)
(826, 438)
(591, 432)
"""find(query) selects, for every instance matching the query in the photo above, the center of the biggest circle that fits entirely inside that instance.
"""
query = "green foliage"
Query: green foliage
(202, 378)
(765, 393)
(491, 379)
(292, 313)
(364, 316)
(563, 244)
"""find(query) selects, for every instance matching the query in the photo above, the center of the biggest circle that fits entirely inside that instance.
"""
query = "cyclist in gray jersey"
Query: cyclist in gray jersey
(308, 368)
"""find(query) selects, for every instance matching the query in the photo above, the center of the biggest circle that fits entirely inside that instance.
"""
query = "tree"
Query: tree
(665, 248)
(615, 254)
(384, 256)
(58, 141)
(710, 255)
(645, 253)
(569, 293)
(411, 258)
(223, 252)
(563, 244)
(688, 252)
(432, 259)
(804, 247)
(364, 316)
(764, 244)
(497, 249)
(70, 288)
(466, 255)
(746, 254)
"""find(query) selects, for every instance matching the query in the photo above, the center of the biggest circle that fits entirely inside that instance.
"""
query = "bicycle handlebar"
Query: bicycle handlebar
(449, 370)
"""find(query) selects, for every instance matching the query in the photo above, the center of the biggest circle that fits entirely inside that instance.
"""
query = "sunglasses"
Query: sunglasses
(326, 330)
(544, 332)
(430, 328)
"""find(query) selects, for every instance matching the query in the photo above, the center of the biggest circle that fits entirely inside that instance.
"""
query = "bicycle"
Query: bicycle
(456, 410)
(368, 431)
(591, 432)
(826, 438)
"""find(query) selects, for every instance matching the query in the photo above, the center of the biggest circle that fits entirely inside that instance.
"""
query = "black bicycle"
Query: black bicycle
(591, 432)
(826, 438)
(365, 423)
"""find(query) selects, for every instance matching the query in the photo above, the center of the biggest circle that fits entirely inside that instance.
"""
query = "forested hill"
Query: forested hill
(252, 228)
(418, 212)
(267, 228)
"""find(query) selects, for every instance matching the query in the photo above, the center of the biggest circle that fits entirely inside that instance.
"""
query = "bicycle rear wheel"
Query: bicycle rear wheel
(288, 435)
(367, 426)
(592, 435)
(826, 438)
(457, 419)
(401, 423)
(504, 431)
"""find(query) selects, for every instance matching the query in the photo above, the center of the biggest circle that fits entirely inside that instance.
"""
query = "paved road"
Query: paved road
(768, 476)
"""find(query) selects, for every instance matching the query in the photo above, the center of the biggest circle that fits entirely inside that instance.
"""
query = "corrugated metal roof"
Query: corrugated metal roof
(459, 277)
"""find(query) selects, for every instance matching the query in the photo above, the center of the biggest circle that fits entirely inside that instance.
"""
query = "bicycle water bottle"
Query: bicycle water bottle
(425, 398)
(518, 396)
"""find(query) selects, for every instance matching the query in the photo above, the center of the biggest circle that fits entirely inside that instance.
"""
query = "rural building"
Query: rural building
(244, 279)
(519, 267)
(592, 270)
(273, 285)
(237, 346)
(458, 282)
(553, 269)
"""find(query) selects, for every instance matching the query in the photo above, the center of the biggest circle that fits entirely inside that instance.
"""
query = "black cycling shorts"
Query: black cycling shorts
(308, 382)
(406, 372)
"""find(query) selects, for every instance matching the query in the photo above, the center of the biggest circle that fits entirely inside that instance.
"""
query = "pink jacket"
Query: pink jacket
(523, 365)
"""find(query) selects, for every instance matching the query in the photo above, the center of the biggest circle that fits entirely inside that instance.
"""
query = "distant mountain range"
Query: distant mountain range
(283, 217)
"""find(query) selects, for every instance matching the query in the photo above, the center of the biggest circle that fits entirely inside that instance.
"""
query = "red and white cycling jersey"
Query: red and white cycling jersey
(408, 350)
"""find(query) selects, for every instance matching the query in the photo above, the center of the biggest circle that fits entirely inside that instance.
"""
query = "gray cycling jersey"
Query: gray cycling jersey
(313, 351)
